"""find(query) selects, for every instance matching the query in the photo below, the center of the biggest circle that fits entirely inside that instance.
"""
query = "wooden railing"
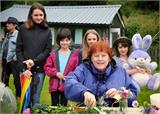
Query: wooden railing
(154, 53)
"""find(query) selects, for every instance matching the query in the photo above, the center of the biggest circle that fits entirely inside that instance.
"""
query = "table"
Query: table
(134, 111)
(129, 110)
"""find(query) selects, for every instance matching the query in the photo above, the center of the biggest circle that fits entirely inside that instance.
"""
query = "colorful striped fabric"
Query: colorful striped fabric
(26, 92)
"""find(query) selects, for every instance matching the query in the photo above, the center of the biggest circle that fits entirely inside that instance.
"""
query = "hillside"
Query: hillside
(140, 18)
(144, 19)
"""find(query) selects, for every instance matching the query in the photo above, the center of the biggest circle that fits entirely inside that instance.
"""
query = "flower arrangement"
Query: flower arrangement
(123, 94)
(122, 97)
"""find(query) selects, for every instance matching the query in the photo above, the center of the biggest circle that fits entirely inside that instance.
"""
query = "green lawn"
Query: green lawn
(144, 95)
(45, 96)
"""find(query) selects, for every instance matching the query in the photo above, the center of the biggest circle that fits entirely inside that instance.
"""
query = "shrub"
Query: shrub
(132, 28)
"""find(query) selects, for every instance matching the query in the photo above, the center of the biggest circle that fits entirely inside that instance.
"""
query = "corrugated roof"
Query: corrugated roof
(97, 14)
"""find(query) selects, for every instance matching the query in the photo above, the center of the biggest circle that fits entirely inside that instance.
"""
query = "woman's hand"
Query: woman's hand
(89, 99)
(29, 63)
(111, 93)
(60, 76)
(27, 73)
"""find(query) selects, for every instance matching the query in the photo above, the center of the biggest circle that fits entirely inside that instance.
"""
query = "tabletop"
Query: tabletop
(129, 110)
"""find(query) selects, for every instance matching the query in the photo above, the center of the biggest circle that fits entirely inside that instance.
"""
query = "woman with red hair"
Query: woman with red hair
(97, 77)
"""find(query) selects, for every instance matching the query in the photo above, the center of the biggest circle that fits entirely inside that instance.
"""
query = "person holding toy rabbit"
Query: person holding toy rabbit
(141, 60)
(137, 63)
(122, 47)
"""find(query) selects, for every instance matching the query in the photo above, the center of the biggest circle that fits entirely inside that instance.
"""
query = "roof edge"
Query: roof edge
(86, 6)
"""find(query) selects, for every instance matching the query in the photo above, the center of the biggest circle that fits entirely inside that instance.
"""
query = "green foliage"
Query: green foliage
(126, 11)
(132, 28)
(45, 95)
(43, 108)
(144, 95)
(140, 19)
(46, 109)
(8, 3)
(152, 5)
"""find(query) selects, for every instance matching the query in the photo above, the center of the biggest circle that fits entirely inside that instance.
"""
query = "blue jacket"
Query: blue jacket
(87, 78)
(11, 54)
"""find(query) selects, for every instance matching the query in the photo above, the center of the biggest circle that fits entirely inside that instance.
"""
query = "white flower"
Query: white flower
(135, 104)
(122, 88)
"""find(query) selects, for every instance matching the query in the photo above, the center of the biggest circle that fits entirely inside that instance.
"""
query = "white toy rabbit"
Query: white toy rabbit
(141, 60)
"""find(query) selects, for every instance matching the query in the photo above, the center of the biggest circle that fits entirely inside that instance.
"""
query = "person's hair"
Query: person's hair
(124, 41)
(29, 23)
(100, 46)
(63, 33)
(85, 46)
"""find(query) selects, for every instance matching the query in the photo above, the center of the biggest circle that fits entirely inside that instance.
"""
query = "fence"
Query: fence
(0, 64)
(154, 53)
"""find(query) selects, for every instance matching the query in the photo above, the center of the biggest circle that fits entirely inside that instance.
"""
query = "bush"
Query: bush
(132, 28)
(126, 11)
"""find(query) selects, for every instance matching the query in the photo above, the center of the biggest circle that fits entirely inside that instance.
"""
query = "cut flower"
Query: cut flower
(122, 93)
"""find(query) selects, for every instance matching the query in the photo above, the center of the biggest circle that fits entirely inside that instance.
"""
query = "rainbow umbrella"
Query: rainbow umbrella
(25, 94)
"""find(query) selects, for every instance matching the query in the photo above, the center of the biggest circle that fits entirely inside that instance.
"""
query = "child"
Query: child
(90, 37)
(122, 47)
(59, 64)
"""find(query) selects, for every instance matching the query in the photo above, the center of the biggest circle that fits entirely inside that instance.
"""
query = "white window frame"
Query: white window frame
(53, 35)
(78, 36)
(111, 31)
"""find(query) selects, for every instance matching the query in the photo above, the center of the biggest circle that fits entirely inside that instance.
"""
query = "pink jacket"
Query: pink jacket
(51, 67)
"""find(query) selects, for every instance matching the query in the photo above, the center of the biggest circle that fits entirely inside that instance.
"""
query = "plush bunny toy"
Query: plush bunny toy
(141, 60)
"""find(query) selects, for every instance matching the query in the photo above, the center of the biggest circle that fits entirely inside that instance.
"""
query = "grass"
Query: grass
(45, 95)
(144, 95)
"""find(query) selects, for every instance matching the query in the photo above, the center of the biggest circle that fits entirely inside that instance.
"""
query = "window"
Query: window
(114, 34)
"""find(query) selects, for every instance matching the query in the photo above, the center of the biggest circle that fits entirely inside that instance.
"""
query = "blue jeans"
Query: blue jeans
(37, 94)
